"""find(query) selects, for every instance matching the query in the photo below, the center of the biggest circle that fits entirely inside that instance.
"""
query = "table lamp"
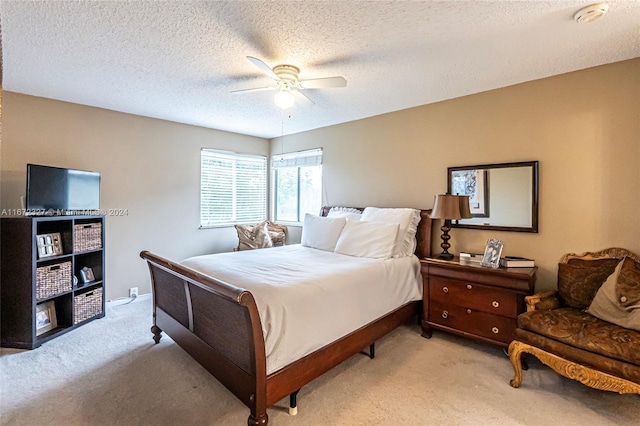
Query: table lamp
(449, 207)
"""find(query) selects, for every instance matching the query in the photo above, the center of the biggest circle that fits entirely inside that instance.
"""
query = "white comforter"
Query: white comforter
(308, 298)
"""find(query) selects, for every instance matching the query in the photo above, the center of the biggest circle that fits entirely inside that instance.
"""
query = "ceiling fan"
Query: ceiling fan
(288, 84)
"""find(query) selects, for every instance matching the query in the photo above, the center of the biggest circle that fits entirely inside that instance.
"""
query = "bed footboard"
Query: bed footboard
(217, 324)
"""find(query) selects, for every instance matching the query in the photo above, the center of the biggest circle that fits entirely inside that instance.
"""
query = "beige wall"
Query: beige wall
(149, 167)
(583, 128)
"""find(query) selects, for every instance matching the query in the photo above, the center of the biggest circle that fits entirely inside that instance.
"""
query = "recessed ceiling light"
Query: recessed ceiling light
(591, 13)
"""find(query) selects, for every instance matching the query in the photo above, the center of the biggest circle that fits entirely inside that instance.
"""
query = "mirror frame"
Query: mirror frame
(534, 196)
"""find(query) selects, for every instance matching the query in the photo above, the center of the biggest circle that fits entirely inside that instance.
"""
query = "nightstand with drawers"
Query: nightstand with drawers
(474, 301)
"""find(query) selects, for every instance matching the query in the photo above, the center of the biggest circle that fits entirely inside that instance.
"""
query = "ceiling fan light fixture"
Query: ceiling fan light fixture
(288, 85)
(591, 13)
(284, 99)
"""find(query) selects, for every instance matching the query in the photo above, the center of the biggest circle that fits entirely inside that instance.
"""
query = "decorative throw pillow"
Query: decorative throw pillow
(253, 237)
(618, 300)
(580, 279)
(321, 232)
(348, 212)
(344, 210)
(278, 233)
(367, 239)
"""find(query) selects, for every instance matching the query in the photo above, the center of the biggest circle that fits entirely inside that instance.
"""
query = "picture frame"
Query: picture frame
(86, 274)
(475, 184)
(49, 245)
(492, 252)
(46, 317)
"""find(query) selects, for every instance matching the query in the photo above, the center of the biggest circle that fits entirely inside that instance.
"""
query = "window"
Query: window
(233, 188)
(297, 185)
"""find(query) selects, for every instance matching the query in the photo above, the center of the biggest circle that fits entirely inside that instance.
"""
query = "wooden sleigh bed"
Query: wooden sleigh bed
(218, 324)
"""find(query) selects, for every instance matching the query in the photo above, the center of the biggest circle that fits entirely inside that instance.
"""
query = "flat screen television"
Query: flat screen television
(66, 191)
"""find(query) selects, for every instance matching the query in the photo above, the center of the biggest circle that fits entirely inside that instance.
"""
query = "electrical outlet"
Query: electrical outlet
(133, 292)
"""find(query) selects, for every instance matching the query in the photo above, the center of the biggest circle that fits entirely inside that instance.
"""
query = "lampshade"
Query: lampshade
(453, 207)
(445, 206)
(284, 99)
(465, 210)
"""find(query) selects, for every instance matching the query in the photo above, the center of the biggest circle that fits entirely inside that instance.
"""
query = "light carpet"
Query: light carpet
(109, 372)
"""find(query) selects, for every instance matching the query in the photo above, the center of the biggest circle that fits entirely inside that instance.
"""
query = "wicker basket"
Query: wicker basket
(53, 279)
(87, 305)
(87, 236)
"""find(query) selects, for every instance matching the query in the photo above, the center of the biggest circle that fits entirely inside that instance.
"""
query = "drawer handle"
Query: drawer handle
(445, 314)
(495, 304)
(445, 289)
(495, 330)
(469, 286)
(468, 311)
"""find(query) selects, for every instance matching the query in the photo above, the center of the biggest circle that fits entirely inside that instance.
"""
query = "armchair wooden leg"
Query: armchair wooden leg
(515, 353)
(585, 375)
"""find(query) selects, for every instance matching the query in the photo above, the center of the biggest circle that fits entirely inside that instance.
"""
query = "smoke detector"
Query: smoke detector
(591, 13)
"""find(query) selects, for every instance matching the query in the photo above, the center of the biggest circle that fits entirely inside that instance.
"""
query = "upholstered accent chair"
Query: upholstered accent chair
(565, 329)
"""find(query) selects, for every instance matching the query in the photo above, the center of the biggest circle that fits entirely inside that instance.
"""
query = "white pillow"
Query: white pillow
(351, 214)
(407, 220)
(367, 239)
(345, 210)
(321, 233)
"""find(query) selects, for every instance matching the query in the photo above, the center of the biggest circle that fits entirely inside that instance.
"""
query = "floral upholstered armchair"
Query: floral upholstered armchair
(589, 329)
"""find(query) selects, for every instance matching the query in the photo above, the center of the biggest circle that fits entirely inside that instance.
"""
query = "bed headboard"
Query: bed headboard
(423, 235)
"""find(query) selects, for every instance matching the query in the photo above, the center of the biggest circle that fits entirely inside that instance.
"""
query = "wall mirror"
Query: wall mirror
(502, 197)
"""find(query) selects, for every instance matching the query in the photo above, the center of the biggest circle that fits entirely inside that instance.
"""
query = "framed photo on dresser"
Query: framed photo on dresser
(492, 252)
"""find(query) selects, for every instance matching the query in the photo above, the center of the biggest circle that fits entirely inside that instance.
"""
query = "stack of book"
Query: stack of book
(516, 262)
(470, 257)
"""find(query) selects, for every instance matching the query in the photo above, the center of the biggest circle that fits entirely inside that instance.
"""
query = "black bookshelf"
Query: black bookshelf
(42, 291)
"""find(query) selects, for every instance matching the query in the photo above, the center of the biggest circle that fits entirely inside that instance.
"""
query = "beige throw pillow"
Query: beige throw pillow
(253, 237)
(617, 300)
(278, 233)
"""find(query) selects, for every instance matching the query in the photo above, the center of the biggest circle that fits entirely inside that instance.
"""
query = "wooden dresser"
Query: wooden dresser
(474, 301)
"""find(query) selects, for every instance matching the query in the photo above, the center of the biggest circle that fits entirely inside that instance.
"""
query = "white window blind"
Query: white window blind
(311, 157)
(233, 188)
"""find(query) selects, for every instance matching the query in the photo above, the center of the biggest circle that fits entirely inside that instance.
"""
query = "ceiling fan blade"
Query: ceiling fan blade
(257, 89)
(304, 99)
(263, 67)
(321, 83)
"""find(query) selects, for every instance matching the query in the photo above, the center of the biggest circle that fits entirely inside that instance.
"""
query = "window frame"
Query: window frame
(296, 159)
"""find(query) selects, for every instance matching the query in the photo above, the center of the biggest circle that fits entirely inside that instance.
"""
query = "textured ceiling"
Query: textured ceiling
(179, 60)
